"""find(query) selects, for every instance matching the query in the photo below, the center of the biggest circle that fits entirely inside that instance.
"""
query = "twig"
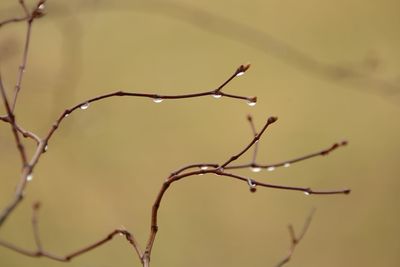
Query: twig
(220, 171)
(295, 240)
(36, 13)
(42, 142)
(255, 139)
(40, 252)
(25, 133)
(12, 122)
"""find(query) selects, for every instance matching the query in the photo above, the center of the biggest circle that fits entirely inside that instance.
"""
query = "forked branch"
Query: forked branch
(295, 240)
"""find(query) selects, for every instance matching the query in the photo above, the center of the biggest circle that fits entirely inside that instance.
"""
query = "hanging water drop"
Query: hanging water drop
(307, 193)
(270, 169)
(252, 186)
(251, 103)
(255, 169)
(29, 177)
(217, 95)
(239, 73)
(41, 7)
(203, 168)
(66, 115)
(85, 106)
(158, 100)
(286, 165)
(45, 148)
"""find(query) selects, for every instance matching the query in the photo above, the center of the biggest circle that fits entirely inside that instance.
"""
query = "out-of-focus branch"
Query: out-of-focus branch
(268, 44)
(295, 240)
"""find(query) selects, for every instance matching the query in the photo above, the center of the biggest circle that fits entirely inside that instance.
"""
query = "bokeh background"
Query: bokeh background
(106, 164)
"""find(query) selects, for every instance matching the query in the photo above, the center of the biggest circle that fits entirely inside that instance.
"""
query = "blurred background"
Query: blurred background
(328, 70)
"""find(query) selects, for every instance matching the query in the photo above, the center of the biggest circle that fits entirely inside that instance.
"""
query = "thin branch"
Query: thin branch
(220, 171)
(253, 129)
(155, 97)
(40, 252)
(12, 122)
(25, 133)
(35, 228)
(12, 20)
(42, 143)
(288, 163)
(295, 240)
(255, 139)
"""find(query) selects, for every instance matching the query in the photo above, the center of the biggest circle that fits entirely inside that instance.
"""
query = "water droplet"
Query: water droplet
(252, 186)
(255, 169)
(251, 103)
(85, 106)
(66, 115)
(286, 165)
(158, 100)
(270, 169)
(239, 73)
(217, 95)
(204, 168)
(307, 193)
(29, 177)
(46, 148)
(41, 7)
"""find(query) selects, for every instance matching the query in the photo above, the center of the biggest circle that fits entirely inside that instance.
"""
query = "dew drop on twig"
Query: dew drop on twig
(252, 186)
(251, 103)
(158, 100)
(29, 177)
(203, 168)
(270, 169)
(217, 95)
(307, 193)
(255, 169)
(85, 106)
(286, 165)
(239, 73)
(46, 148)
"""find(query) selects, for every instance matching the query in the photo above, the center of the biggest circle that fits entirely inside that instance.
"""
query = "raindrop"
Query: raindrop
(217, 95)
(204, 168)
(251, 103)
(158, 100)
(252, 186)
(41, 7)
(85, 106)
(255, 169)
(29, 177)
(46, 148)
(307, 193)
(286, 165)
(66, 115)
(270, 169)
(239, 73)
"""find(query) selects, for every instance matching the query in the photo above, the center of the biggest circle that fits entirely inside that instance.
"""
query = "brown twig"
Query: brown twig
(40, 252)
(220, 171)
(295, 240)
(42, 142)
(30, 17)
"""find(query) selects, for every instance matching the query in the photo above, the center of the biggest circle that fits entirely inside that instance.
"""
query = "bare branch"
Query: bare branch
(295, 240)
(11, 119)
(40, 252)
(255, 139)
(288, 163)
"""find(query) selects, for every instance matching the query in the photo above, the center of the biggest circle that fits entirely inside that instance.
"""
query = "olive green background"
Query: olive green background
(106, 164)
